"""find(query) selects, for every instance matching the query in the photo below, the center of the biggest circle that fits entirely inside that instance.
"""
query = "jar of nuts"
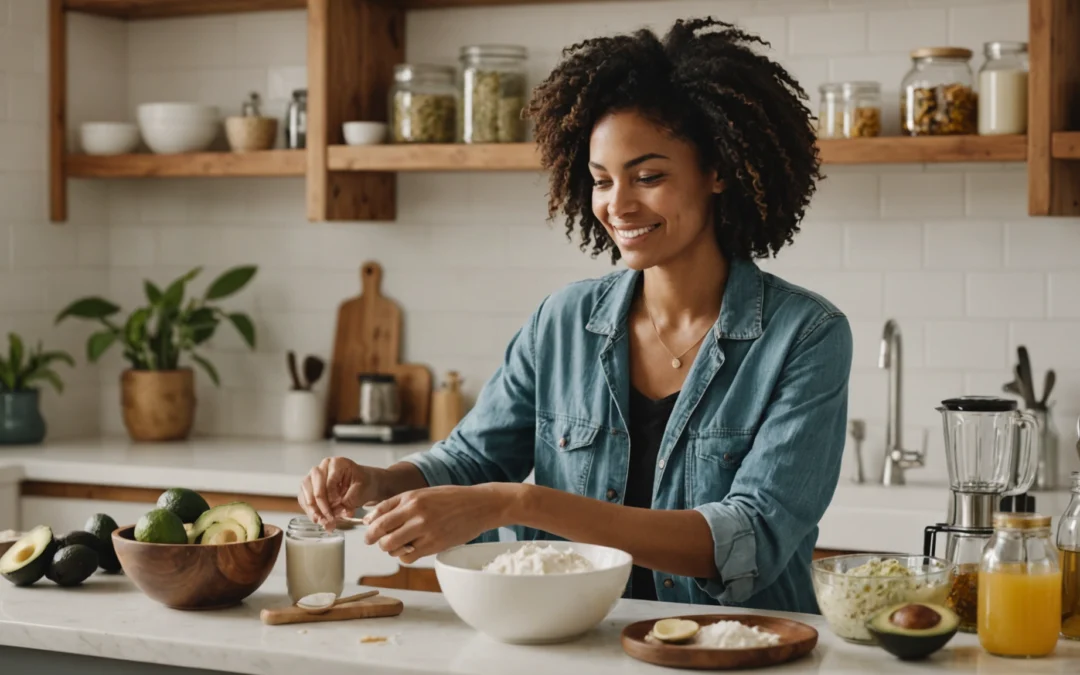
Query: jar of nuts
(937, 96)
(492, 93)
(423, 104)
(849, 110)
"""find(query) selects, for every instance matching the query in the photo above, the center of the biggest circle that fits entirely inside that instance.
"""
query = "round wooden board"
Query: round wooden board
(796, 640)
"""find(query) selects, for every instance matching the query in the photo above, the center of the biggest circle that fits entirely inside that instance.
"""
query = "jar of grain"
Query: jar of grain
(423, 104)
(1003, 86)
(849, 110)
(492, 93)
(937, 96)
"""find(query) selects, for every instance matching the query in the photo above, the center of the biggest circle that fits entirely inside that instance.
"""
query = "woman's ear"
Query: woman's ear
(718, 185)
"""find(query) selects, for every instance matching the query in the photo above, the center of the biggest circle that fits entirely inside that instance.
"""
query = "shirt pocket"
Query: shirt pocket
(565, 448)
(714, 459)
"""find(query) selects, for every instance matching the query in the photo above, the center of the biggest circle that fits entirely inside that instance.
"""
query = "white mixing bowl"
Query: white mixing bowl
(178, 127)
(108, 138)
(532, 609)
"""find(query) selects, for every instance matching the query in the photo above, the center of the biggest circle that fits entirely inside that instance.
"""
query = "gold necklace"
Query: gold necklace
(676, 361)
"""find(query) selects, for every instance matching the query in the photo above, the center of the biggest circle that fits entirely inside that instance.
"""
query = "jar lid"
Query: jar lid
(299, 93)
(407, 72)
(979, 404)
(1005, 46)
(941, 53)
(494, 51)
(1020, 521)
(850, 87)
(375, 377)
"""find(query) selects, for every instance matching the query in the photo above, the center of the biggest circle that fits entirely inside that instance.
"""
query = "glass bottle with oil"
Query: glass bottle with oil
(1068, 544)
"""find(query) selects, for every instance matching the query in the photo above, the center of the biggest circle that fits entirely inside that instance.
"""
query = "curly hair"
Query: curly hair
(705, 84)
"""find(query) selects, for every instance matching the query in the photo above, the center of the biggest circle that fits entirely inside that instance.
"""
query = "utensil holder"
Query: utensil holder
(1046, 475)
(302, 417)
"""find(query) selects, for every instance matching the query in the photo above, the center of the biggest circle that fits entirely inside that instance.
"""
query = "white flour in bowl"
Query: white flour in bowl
(536, 559)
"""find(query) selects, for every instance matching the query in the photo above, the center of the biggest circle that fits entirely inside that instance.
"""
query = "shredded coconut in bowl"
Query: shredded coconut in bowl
(536, 559)
(734, 635)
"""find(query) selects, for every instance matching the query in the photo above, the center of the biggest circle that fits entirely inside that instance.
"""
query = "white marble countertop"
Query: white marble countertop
(108, 617)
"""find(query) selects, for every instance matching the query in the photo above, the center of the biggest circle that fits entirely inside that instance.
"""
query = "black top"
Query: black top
(648, 419)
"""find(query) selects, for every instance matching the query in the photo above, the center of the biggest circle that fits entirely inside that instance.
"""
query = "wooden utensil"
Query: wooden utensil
(313, 370)
(796, 640)
(1048, 386)
(369, 608)
(414, 392)
(337, 601)
(290, 357)
(367, 340)
(190, 576)
(447, 407)
(1023, 373)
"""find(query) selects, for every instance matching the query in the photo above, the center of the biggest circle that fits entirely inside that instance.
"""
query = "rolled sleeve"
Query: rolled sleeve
(734, 551)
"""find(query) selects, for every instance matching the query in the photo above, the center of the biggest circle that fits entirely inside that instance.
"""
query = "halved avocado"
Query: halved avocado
(242, 513)
(72, 565)
(227, 531)
(28, 559)
(913, 630)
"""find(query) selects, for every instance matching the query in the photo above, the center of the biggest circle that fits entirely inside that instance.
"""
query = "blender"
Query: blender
(989, 455)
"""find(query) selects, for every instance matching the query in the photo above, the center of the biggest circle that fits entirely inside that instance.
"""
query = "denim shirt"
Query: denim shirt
(754, 442)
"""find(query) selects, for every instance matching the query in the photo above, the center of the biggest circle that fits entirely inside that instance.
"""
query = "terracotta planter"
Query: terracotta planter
(158, 405)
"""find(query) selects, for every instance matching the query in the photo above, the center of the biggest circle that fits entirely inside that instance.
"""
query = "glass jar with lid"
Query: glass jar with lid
(849, 110)
(1003, 86)
(314, 559)
(1020, 588)
(937, 96)
(965, 550)
(492, 93)
(423, 104)
(1068, 543)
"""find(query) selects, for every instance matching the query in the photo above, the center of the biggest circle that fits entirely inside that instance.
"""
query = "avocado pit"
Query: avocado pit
(915, 617)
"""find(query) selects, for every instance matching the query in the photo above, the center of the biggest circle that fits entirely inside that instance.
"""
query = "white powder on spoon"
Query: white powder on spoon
(536, 559)
(734, 635)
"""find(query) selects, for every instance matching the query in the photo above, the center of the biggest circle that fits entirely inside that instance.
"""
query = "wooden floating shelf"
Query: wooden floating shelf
(923, 149)
(159, 9)
(195, 164)
(1065, 145)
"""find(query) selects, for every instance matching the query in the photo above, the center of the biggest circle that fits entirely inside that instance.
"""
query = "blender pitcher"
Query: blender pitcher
(985, 437)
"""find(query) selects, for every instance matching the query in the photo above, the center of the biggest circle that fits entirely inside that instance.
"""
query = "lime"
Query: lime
(160, 526)
(187, 504)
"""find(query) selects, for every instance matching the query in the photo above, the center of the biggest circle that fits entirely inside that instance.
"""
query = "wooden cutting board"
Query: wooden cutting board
(414, 391)
(369, 608)
(368, 340)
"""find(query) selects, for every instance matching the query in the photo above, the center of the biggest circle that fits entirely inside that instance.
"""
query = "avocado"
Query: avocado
(28, 559)
(102, 526)
(241, 512)
(188, 505)
(913, 630)
(79, 537)
(159, 526)
(227, 531)
(72, 565)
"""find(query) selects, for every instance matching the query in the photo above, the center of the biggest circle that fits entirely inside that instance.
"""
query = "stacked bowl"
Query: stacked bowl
(178, 127)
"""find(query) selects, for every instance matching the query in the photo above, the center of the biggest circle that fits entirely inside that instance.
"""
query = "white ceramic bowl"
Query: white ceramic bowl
(364, 133)
(531, 609)
(178, 127)
(108, 138)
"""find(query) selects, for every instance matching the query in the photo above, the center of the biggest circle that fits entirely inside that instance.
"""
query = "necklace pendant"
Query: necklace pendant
(676, 363)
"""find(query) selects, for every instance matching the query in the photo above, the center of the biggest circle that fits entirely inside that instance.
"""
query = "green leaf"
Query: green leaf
(230, 282)
(16, 352)
(48, 376)
(244, 326)
(98, 343)
(89, 308)
(153, 293)
(208, 367)
(47, 358)
(174, 294)
(202, 323)
(135, 329)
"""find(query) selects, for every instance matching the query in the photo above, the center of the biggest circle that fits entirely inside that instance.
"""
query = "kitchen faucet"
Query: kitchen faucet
(896, 457)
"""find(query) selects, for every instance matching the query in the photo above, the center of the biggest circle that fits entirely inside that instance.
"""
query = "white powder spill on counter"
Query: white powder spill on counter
(536, 559)
(734, 635)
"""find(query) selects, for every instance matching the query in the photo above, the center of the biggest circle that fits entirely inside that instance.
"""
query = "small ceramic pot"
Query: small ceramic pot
(20, 417)
(158, 405)
(302, 419)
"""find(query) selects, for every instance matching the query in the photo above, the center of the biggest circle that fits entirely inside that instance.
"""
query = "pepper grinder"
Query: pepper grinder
(447, 407)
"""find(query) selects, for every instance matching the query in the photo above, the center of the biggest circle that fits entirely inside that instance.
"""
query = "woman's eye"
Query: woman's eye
(601, 182)
(651, 178)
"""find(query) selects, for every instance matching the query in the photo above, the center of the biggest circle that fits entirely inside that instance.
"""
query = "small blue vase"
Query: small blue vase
(20, 417)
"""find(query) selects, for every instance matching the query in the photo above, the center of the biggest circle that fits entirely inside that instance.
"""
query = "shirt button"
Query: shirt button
(660, 464)
(611, 494)
(727, 456)
(562, 442)
(668, 583)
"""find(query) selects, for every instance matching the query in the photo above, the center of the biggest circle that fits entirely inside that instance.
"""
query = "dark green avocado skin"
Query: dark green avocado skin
(80, 537)
(906, 645)
(72, 565)
(102, 526)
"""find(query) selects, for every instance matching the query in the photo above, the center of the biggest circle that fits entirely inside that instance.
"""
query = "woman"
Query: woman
(691, 409)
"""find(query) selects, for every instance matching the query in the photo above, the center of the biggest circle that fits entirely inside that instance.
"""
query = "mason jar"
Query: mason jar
(850, 110)
(296, 121)
(1019, 588)
(937, 96)
(1068, 543)
(423, 104)
(492, 93)
(1003, 87)
(314, 559)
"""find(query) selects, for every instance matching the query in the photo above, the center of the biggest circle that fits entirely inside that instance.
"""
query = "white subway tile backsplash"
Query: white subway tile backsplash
(133, 246)
(965, 245)
(857, 294)
(883, 245)
(997, 194)
(846, 194)
(1064, 295)
(832, 33)
(22, 291)
(22, 196)
(1004, 295)
(967, 344)
(93, 245)
(3, 97)
(922, 195)
(189, 245)
(168, 44)
(1042, 243)
(810, 72)
(971, 27)
(1051, 344)
(771, 29)
(923, 392)
(924, 294)
(899, 30)
(278, 39)
(39, 246)
(867, 334)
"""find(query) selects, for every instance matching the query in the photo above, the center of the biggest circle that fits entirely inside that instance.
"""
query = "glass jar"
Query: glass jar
(1003, 85)
(849, 110)
(1020, 588)
(423, 104)
(492, 93)
(314, 559)
(965, 550)
(937, 95)
(1068, 543)
(296, 121)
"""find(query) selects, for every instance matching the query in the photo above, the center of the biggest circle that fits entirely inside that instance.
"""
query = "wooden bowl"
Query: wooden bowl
(197, 576)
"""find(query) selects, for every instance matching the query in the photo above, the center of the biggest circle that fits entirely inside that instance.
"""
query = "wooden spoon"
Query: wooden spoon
(324, 607)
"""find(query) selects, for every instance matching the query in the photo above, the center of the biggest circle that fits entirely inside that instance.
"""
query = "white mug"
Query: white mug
(302, 418)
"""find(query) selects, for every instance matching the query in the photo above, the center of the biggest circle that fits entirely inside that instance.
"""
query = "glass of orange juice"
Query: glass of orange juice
(1019, 588)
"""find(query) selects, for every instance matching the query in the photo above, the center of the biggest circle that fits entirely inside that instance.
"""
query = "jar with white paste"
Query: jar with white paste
(1003, 89)
(314, 559)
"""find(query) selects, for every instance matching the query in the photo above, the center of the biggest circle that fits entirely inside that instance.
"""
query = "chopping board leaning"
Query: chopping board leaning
(369, 608)
(367, 340)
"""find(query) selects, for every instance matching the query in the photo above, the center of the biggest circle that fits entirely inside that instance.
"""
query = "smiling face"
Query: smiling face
(649, 191)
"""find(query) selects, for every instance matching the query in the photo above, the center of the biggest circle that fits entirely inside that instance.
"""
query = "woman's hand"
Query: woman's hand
(423, 522)
(335, 489)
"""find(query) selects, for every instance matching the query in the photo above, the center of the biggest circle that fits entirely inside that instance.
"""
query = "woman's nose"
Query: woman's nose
(621, 202)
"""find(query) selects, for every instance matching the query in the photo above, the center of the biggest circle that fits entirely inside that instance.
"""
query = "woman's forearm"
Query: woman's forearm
(675, 542)
(398, 478)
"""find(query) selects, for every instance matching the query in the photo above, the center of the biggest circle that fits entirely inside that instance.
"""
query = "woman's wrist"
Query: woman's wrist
(508, 503)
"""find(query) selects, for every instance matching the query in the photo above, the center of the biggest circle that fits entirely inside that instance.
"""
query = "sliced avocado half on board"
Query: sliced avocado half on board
(28, 560)
(241, 512)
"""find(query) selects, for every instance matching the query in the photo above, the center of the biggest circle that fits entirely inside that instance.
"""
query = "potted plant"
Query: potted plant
(157, 392)
(20, 403)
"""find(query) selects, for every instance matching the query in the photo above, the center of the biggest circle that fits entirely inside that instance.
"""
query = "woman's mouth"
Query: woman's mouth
(626, 235)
